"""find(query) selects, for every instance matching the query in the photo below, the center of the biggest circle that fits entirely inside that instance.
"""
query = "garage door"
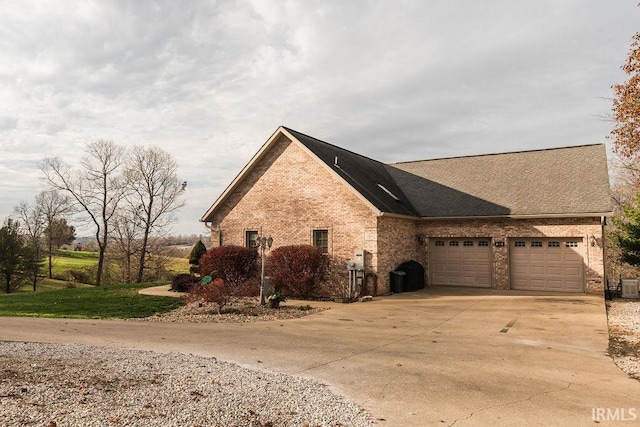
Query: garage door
(460, 262)
(552, 264)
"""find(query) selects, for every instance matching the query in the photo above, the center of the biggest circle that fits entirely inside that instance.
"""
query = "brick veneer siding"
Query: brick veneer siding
(505, 229)
(397, 243)
(287, 195)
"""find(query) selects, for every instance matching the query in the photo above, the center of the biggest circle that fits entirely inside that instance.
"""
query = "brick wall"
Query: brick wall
(287, 195)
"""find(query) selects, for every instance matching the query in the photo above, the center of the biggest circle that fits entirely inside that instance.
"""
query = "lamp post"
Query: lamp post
(263, 243)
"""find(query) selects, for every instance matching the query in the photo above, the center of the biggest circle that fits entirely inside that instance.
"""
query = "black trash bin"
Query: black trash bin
(396, 278)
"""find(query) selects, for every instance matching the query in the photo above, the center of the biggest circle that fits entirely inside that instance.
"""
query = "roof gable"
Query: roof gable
(368, 178)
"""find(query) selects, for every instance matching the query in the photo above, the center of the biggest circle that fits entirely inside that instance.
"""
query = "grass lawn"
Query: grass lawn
(64, 260)
(105, 302)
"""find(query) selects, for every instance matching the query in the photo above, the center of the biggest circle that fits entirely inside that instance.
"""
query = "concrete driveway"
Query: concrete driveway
(440, 356)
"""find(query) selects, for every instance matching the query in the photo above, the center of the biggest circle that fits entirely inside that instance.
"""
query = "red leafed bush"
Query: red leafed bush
(217, 291)
(235, 265)
(297, 270)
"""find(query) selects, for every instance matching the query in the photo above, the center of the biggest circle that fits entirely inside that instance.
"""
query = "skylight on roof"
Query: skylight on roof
(388, 192)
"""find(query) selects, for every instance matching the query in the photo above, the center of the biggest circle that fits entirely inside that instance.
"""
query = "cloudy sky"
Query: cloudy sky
(209, 81)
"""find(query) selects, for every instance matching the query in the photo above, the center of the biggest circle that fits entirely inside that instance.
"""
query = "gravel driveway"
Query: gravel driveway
(55, 385)
(623, 317)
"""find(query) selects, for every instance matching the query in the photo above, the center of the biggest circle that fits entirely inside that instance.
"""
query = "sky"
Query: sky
(210, 81)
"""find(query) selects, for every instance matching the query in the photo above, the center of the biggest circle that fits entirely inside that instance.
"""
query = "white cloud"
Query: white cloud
(209, 82)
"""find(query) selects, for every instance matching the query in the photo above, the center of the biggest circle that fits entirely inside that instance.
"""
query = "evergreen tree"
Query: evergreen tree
(626, 234)
(11, 255)
(194, 257)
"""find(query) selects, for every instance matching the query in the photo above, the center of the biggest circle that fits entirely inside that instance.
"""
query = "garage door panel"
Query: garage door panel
(554, 271)
(537, 255)
(537, 270)
(453, 268)
(572, 271)
(552, 264)
(574, 286)
(460, 262)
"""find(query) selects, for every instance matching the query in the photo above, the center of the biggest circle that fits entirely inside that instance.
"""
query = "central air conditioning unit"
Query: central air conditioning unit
(630, 288)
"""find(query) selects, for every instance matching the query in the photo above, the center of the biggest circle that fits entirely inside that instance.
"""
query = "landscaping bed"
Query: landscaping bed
(240, 311)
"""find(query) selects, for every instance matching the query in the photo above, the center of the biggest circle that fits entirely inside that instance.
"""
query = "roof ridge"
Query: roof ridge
(334, 146)
(500, 154)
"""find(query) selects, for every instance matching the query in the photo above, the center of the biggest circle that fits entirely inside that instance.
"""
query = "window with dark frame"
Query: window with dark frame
(251, 237)
(321, 240)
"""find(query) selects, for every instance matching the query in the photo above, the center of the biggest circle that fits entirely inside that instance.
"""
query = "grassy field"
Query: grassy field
(72, 299)
(64, 261)
(88, 302)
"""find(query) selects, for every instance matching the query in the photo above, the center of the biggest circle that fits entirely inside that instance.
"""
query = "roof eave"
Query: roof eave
(238, 179)
(260, 154)
(525, 216)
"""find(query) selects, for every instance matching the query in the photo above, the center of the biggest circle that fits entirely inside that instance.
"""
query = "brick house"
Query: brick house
(530, 220)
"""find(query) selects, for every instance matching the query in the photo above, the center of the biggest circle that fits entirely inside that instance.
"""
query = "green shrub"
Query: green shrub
(182, 282)
(83, 275)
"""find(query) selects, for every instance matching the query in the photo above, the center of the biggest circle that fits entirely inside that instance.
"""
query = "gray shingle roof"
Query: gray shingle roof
(560, 181)
(365, 175)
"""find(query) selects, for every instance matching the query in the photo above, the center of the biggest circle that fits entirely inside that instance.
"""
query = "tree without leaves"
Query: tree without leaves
(53, 206)
(33, 228)
(154, 194)
(626, 105)
(96, 187)
(125, 235)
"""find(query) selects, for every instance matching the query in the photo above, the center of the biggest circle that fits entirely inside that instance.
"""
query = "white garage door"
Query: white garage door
(550, 264)
(460, 262)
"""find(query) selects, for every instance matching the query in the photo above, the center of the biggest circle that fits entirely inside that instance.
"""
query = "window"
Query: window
(439, 242)
(483, 243)
(453, 243)
(467, 243)
(536, 244)
(321, 240)
(250, 239)
(520, 244)
(554, 244)
(572, 244)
